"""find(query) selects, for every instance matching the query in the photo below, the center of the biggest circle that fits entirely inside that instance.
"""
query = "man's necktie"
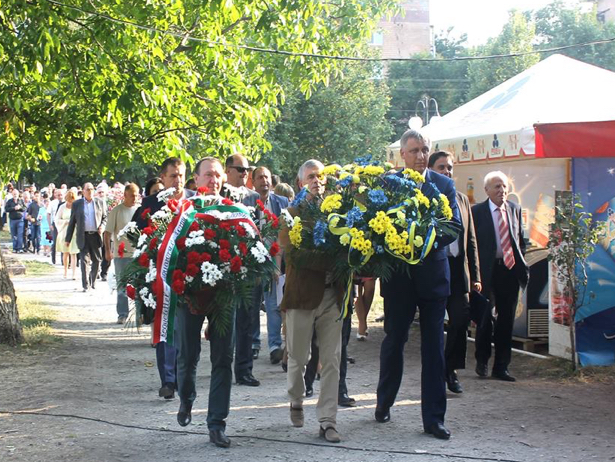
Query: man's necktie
(505, 242)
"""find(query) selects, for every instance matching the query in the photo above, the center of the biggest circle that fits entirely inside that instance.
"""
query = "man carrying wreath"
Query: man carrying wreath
(312, 301)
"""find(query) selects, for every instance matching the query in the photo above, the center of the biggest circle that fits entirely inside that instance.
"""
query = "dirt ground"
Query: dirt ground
(93, 397)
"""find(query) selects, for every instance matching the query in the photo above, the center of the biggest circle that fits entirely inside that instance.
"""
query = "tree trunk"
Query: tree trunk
(10, 327)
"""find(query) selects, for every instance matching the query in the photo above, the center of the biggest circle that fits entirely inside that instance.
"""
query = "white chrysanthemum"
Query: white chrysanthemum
(160, 214)
(151, 274)
(196, 233)
(248, 229)
(147, 297)
(260, 252)
(137, 253)
(287, 217)
(233, 193)
(195, 241)
(212, 244)
(189, 279)
(166, 194)
(142, 239)
(211, 273)
(131, 227)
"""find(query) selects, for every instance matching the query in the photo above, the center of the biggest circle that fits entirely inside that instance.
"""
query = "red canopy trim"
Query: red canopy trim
(576, 139)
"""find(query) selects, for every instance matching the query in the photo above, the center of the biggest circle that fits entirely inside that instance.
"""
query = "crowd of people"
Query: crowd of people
(484, 263)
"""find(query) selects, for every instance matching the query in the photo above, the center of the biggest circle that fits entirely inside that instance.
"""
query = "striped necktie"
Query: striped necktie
(505, 242)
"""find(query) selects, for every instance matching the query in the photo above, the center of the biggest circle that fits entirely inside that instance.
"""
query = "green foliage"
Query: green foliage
(107, 94)
(517, 36)
(336, 124)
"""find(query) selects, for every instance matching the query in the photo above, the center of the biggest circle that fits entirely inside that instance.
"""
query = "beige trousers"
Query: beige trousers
(299, 328)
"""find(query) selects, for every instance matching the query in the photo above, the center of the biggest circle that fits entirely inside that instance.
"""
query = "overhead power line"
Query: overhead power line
(256, 49)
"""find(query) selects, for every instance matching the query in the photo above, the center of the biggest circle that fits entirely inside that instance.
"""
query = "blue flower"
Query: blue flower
(363, 161)
(345, 182)
(301, 195)
(379, 249)
(319, 233)
(377, 196)
(353, 215)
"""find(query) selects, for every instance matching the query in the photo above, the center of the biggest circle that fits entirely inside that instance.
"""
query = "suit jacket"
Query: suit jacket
(153, 204)
(468, 249)
(77, 219)
(277, 203)
(431, 279)
(487, 245)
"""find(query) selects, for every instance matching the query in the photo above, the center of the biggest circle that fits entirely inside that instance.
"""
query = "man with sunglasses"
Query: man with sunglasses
(247, 319)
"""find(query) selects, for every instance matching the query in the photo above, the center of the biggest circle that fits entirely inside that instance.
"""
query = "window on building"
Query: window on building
(377, 39)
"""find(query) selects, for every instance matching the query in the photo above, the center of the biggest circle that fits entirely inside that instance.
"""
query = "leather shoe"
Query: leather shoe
(309, 391)
(276, 355)
(248, 380)
(330, 434)
(184, 415)
(452, 382)
(296, 416)
(481, 369)
(503, 375)
(382, 415)
(219, 438)
(346, 401)
(167, 391)
(438, 430)
(255, 353)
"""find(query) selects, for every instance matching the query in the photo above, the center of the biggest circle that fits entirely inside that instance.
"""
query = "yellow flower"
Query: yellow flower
(334, 222)
(418, 241)
(421, 198)
(295, 233)
(331, 203)
(358, 170)
(380, 223)
(345, 239)
(331, 169)
(356, 179)
(362, 189)
(446, 207)
(373, 170)
(413, 175)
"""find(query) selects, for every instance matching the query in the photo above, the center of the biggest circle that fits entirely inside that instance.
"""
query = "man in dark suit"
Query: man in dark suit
(499, 233)
(261, 179)
(465, 276)
(428, 288)
(88, 220)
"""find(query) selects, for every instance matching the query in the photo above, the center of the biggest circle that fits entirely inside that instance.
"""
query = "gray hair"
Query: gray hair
(414, 134)
(309, 164)
(496, 174)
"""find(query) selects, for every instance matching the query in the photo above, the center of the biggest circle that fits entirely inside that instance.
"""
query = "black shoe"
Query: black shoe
(438, 430)
(346, 401)
(255, 353)
(103, 278)
(503, 375)
(481, 369)
(452, 382)
(167, 391)
(350, 360)
(248, 380)
(285, 367)
(184, 415)
(276, 356)
(309, 391)
(219, 438)
(382, 415)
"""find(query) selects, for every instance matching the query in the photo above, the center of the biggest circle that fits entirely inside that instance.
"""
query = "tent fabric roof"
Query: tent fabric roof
(557, 89)
(578, 139)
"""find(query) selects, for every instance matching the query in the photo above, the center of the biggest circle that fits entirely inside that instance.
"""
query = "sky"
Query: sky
(480, 19)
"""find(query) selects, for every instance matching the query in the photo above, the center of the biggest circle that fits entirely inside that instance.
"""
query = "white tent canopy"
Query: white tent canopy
(500, 123)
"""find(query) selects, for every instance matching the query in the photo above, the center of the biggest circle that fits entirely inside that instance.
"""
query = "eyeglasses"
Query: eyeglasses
(240, 169)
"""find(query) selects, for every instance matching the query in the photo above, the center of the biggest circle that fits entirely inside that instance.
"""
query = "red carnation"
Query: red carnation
(144, 260)
(208, 218)
(275, 249)
(131, 292)
(235, 264)
(121, 249)
(181, 243)
(268, 214)
(194, 226)
(224, 244)
(224, 255)
(260, 204)
(194, 258)
(241, 230)
(203, 190)
(226, 226)
(275, 222)
(205, 257)
(179, 286)
(226, 201)
(172, 204)
(209, 234)
(177, 274)
(192, 270)
(145, 213)
(149, 230)
(243, 248)
(153, 243)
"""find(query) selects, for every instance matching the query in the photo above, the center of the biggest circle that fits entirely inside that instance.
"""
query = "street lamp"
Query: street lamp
(416, 122)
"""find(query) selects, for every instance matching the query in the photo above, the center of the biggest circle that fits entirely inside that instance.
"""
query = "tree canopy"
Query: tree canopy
(110, 83)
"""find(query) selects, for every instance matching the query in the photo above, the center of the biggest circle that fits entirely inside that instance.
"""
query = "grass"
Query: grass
(561, 369)
(37, 268)
(5, 235)
(36, 319)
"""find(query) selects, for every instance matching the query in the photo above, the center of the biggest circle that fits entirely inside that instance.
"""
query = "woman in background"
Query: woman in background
(61, 220)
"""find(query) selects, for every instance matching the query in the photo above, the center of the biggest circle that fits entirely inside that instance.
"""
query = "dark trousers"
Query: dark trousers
(54, 235)
(458, 309)
(104, 265)
(504, 295)
(35, 236)
(399, 313)
(312, 366)
(91, 253)
(244, 330)
(166, 359)
(188, 344)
